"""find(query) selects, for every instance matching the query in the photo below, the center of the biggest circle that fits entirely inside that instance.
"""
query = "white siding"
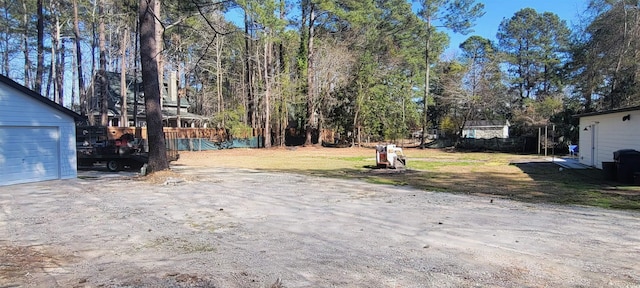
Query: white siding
(19, 112)
(607, 133)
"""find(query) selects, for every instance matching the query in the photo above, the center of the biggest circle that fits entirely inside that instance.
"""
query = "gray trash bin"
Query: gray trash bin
(610, 171)
(627, 164)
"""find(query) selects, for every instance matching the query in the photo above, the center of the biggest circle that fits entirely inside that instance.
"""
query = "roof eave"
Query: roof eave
(634, 108)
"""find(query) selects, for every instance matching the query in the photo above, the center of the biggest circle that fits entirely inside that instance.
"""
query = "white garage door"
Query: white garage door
(29, 154)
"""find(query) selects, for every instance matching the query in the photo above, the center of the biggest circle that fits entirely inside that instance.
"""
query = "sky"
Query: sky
(497, 10)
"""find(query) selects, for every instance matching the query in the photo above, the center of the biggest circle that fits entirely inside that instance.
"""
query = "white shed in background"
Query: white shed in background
(37, 136)
(485, 129)
(602, 133)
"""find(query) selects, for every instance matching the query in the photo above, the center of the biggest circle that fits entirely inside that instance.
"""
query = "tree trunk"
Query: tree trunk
(53, 72)
(25, 40)
(310, 74)
(159, 48)
(124, 118)
(40, 64)
(74, 75)
(76, 33)
(220, 111)
(255, 82)
(182, 77)
(6, 31)
(57, 58)
(136, 85)
(250, 101)
(61, 72)
(92, 101)
(267, 93)
(47, 91)
(282, 70)
(425, 107)
(356, 125)
(103, 81)
(148, 50)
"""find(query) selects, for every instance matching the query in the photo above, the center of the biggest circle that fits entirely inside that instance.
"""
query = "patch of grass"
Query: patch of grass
(88, 177)
(359, 159)
(531, 179)
(437, 165)
(181, 244)
(195, 247)
(385, 181)
(203, 227)
(598, 200)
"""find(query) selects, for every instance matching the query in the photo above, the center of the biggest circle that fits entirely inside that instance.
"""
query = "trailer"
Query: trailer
(118, 147)
(94, 145)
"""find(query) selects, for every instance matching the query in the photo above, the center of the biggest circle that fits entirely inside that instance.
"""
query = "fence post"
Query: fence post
(553, 133)
(546, 137)
(539, 138)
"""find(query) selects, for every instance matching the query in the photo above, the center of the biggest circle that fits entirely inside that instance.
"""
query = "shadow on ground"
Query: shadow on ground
(581, 186)
(535, 182)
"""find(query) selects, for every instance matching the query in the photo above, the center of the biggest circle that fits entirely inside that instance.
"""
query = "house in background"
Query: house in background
(602, 133)
(486, 129)
(37, 136)
(171, 113)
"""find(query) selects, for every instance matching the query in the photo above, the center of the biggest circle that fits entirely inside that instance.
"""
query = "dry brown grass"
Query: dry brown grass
(17, 262)
(165, 177)
(521, 177)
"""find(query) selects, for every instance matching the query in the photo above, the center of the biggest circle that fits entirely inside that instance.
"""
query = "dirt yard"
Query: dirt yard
(219, 224)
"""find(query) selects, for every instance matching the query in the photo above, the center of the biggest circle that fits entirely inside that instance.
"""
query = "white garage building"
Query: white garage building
(602, 133)
(37, 136)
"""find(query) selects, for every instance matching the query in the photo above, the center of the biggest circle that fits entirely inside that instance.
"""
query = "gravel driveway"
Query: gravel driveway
(212, 227)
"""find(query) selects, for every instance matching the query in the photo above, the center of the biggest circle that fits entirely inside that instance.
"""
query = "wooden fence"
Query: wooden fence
(212, 134)
(218, 135)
